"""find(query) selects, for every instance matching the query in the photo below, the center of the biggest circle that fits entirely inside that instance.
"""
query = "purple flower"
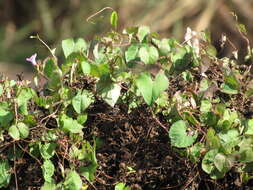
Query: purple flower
(32, 59)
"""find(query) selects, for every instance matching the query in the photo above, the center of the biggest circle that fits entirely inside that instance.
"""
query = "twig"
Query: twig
(50, 50)
(29, 154)
(159, 123)
(93, 186)
(16, 113)
(90, 17)
(15, 174)
(52, 114)
(189, 181)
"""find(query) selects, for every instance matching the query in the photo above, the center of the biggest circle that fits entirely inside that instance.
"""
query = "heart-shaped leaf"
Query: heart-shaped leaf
(145, 85)
(179, 136)
(160, 84)
(148, 54)
(143, 31)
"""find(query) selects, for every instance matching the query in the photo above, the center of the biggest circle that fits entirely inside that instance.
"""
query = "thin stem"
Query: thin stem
(100, 11)
(38, 37)
(15, 173)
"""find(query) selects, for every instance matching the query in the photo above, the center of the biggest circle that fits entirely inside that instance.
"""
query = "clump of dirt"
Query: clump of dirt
(137, 141)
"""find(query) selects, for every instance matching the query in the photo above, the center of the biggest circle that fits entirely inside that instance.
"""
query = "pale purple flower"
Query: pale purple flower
(32, 59)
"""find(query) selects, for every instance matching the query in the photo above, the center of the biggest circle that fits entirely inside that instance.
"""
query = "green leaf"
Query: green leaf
(47, 150)
(1, 89)
(130, 30)
(53, 73)
(23, 108)
(5, 117)
(187, 76)
(145, 84)
(23, 130)
(191, 118)
(160, 84)
(249, 127)
(49, 67)
(182, 60)
(230, 85)
(143, 31)
(114, 19)
(70, 125)
(166, 46)
(99, 70)
(246, 154)
(82, 118)
(99, 54)
(204, 85)
(75, 153)
(82, 101)
(89, 172)
(248, 167)
(121, 186)
(206, 35)
(48, 186)
(208, 161)
(220, 109)
(23, 96)
(229, 139)
(211, 50)
(68, 46)
(14, 132)
(131, 52)
(80, 45)
(5, 174)
(242, 28)
(222, 163)
(148, 54)
(89, 154)
(72, 181)
(212, 139)
(216, 174)
(229, 119)
(86, 68)
(18, 131)
(74, 58)
(195, 152)
(206, 106)
(112, 95)
(232, 81)
(50, 135)
(144, 55)
(48, 170)
(178, 135)
(108, 90)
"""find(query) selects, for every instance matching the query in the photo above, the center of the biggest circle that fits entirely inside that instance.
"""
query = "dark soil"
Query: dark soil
(135, 140)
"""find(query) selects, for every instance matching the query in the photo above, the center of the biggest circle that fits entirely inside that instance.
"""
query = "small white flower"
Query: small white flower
(32, 59)
(192, 40)
(188, 35)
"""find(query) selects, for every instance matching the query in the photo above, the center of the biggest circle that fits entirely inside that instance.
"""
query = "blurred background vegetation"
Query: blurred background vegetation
(57, 20)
